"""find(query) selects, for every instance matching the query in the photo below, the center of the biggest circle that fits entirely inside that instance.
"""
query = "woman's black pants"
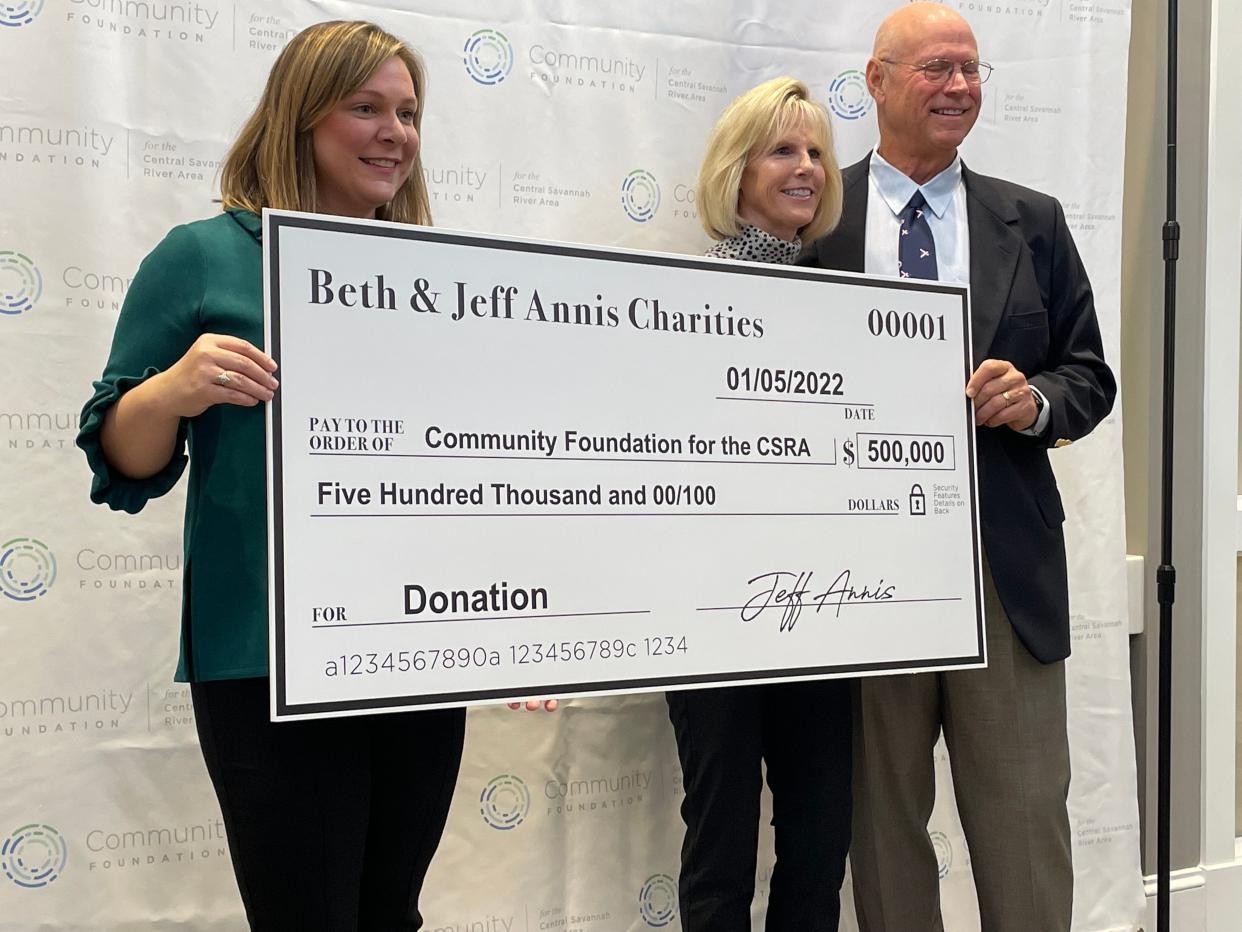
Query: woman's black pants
(331, 823)
(803, 732)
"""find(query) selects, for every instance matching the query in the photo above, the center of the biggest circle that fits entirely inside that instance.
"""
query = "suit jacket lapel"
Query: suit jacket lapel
(994, 250)
(846, 248)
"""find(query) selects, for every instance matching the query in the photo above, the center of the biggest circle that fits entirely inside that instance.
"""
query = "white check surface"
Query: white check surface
(511, 504)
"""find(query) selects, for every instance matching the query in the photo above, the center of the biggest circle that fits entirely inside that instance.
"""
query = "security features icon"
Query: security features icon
(918, 501)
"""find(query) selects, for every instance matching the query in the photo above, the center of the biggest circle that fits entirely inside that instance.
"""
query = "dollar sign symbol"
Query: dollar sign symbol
(848, 447)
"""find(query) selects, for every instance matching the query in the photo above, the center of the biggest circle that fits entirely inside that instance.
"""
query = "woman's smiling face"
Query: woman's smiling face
(782, 184)
(365, 147)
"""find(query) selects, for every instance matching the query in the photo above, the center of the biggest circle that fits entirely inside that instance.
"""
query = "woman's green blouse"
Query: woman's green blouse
(205, 277)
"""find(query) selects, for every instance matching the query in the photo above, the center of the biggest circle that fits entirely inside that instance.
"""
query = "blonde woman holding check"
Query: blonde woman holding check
(769, 182)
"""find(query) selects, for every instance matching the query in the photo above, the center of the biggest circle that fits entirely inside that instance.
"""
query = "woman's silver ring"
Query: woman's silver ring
(223, 378)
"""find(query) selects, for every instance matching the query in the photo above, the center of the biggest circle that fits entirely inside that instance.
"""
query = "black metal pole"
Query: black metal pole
(1166, 575)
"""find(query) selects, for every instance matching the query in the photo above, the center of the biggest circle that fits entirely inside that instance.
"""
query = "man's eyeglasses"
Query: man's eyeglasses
(940, 70)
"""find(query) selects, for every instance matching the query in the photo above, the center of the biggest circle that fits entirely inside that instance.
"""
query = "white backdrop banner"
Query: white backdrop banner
(545, 118)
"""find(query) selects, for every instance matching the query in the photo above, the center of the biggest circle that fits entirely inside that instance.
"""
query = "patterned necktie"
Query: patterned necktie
(916, 250)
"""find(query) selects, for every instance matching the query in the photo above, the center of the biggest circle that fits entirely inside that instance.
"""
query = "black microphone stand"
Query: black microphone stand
(1166, 575)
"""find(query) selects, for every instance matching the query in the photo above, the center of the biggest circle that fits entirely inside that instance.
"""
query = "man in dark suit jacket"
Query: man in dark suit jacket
(1040, 381)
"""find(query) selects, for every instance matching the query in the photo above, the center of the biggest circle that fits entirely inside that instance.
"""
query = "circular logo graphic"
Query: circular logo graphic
(488, 56)
(504, 802)
(33, 856)
(944, 853)
(640, 195)
(19, 12)
(21, 283)
(848, 95)
(27, 569)
(657, 900)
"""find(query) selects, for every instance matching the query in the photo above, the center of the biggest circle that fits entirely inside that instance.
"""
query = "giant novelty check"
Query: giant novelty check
(503, 468)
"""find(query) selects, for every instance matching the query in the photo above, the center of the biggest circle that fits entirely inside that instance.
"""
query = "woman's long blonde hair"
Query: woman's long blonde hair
(752, 122)
(272, 162)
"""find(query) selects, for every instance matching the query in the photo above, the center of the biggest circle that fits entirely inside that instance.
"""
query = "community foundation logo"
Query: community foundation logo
(489, 923)
(466, 183)
(21, 283)
(848, 95)
(684, 202)
(148, 20)
(573, 68)
(1022, 8)
(640, 195)
(657, 900)
(27, 569)
(19, 12)
(488, 56)
(89, 289)
(121, 571)
(33, 856)
(504, 802)
(592, 794)
(57, 715)
(160, 846)
(37, 430)
(85, 147)
(944, 853)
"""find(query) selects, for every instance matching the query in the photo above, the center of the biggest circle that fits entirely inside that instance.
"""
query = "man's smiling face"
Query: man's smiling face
(918, 118)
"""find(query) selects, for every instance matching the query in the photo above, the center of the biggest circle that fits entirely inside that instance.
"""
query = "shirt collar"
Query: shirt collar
(896, 189)
(250, 222)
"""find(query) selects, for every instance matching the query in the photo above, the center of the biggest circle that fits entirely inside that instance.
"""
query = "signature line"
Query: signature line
(810, 603)
(426, 621)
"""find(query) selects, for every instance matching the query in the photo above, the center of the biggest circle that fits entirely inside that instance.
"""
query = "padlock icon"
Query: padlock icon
(918, 501)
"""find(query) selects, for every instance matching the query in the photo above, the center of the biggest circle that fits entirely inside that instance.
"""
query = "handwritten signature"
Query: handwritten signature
(792, 591)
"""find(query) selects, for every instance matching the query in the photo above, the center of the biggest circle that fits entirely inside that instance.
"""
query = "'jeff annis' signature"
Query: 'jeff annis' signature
(792, 591)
